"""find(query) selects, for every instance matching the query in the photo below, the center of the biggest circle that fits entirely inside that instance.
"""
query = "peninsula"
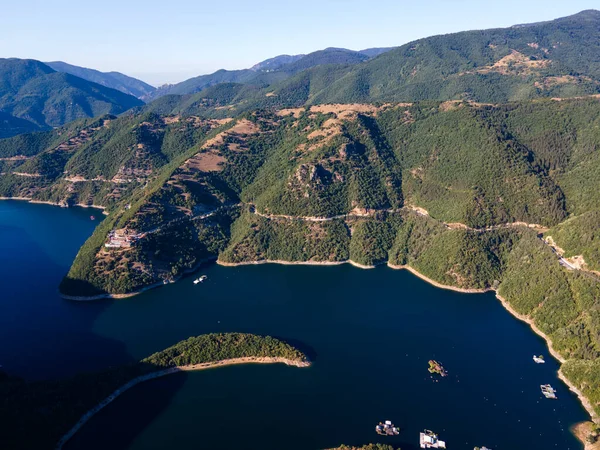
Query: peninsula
(74, 402)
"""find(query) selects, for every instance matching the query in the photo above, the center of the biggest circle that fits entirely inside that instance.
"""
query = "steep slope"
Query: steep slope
(461, 192)
(95, 161)
(32, 91)
(11, 125)
(560, 58)
(557, 58)
(113, 80)
(469, 166)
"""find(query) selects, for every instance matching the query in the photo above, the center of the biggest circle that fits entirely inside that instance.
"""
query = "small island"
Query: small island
(436, 367)
(73, 402)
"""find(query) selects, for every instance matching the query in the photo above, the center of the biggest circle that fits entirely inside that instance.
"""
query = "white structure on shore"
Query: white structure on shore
(121, 239)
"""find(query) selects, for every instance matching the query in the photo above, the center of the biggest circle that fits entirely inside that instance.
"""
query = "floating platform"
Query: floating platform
(387, 428)
(429, 439)
(548, 391)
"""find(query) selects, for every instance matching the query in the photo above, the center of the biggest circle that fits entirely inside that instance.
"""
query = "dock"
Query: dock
(548, 391)
(387, 428)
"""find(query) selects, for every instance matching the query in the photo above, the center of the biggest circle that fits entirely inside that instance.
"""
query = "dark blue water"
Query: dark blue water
(42, 335)
(370, 334)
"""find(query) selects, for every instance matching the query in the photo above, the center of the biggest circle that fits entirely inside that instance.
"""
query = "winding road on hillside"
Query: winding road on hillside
(370, 213)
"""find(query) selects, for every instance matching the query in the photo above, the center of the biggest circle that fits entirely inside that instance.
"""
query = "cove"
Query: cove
(41, 335)
(370, 334)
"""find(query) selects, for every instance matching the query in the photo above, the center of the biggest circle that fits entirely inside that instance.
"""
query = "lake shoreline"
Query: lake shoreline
(42, 202)
(161, 373)
(295, 263)
(582, 398)
(83, 298)
(437, 284)
(582, 430)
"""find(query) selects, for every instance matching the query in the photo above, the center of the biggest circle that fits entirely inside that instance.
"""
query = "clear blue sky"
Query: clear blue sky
(168, 41)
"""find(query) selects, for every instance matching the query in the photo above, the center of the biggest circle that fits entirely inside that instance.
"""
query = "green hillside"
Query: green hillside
(268, 72)
(369, 168)
(555, 59)
(579, 237)
(560, 58)
(33, 92)
(113, 80)
(470, 190)
(459, 191)
(11, 125)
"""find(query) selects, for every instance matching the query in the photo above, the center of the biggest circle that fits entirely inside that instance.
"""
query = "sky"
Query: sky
(170, 41)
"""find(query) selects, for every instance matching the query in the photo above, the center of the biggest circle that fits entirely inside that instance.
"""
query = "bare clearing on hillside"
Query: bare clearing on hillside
(515, 63)
(206, 162)
(241, 129)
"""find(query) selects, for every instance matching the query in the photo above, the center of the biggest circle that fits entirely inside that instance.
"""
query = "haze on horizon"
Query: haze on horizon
(169, 42)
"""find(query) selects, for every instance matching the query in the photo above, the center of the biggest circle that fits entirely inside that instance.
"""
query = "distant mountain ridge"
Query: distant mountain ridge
(113, 80)
(11, 125)
(558, 58)
(276, 62)
(33, 96)
(269, 71)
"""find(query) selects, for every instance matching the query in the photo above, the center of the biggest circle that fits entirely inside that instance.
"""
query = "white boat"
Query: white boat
(429, 439)
(539, 359)
(200, 280)
(548, 391)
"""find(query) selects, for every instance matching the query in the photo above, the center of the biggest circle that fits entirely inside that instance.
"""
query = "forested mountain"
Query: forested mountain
(11, 125)
(275, 62)
(113, 80)
(268, 72)
(460, 156)
(469, 194)
(330, 55)
(201, 82)
(375, 51)
(560, 58)
(465, 163)
(42, 98)
(557, 58)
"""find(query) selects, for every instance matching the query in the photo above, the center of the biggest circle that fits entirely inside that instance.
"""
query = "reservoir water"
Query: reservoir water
(369, 332)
